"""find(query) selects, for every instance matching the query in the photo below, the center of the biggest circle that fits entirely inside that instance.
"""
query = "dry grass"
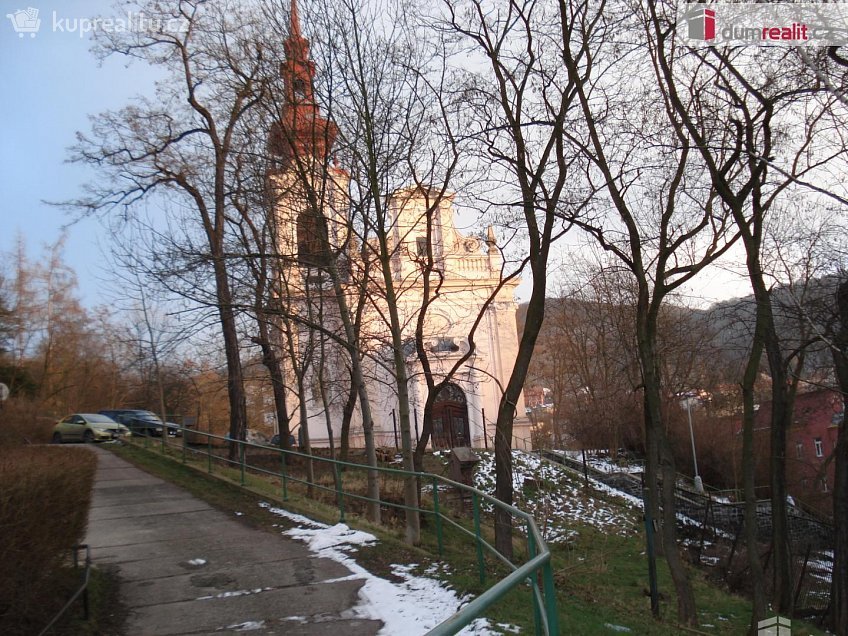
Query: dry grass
(45, 494)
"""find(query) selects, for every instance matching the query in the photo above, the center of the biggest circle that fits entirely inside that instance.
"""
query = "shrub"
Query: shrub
(23, 422)
(45, 494)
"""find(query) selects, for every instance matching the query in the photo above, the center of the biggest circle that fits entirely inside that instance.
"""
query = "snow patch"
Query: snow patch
(558, 501)
(247, 626)
(414, 606)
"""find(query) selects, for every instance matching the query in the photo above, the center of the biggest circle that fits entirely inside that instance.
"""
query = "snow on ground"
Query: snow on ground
(414, 606)
(603, 463)
(558, 501)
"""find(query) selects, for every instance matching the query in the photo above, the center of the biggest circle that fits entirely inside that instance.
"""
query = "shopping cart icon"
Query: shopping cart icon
(25, 21)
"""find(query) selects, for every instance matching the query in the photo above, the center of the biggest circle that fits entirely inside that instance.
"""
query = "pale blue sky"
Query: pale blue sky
(49, 85)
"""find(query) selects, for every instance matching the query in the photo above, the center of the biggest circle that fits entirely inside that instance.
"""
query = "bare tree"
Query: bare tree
(522, 100)
(740, 110)
(183, 144)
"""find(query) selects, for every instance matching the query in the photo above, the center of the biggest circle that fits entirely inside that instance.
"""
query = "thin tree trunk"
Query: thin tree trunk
(781, 418)
(347, 417)
(758, 594)
(235, 376)
(508, 406)
(278, 385)
(646, 333)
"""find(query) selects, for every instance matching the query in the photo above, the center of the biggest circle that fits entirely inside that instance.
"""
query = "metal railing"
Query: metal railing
(252, 459)
(82, 590)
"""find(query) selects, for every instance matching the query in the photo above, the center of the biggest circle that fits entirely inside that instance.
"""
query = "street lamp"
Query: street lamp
(699, 484)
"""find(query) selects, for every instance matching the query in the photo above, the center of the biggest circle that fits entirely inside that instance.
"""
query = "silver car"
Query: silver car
(88, 427)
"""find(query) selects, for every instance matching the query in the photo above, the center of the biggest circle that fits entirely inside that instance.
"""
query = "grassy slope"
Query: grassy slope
(601, 574)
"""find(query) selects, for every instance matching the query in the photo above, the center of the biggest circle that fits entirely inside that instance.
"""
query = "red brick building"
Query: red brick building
(809, 447)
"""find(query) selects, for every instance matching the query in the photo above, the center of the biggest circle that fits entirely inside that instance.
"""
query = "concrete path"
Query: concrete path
(187, 568)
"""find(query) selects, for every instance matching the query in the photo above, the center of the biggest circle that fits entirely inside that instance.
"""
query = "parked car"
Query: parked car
(275, 441)
(138, 421)
(88, 427)
(174, 430)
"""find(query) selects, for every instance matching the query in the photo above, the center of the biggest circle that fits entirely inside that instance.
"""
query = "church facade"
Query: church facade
(468, 335)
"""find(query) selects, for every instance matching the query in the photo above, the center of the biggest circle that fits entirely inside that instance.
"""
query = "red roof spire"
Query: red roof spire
(302, 131)
(294, 30)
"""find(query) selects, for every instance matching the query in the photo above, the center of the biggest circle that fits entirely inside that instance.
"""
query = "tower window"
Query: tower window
(299, 88)
(421, 245)
(819, 447)
(311, 240)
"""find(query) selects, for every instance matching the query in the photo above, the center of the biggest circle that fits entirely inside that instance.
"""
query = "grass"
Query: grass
(601, 578)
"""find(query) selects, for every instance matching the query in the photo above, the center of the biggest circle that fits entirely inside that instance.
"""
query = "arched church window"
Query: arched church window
(311, 240)
(451, 393)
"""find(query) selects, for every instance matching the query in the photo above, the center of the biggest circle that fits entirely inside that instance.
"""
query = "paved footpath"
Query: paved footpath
(187, 568)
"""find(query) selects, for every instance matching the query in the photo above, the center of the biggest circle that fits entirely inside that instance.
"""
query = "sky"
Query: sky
(50, 85)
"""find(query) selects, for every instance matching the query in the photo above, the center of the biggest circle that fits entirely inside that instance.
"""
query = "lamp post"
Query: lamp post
(699, 484)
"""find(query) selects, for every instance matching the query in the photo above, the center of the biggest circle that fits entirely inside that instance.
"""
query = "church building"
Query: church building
(321, 252)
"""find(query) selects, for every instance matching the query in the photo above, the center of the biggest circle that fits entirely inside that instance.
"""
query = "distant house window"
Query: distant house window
(799, 450)
(819, 447)
(824, 484)
(421, 246)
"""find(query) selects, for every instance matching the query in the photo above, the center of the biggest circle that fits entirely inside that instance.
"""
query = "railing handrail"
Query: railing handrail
(539, 554)
(83, 589)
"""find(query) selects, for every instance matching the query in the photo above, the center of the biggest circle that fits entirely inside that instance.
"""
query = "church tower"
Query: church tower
(310, 208)
(303, 134)
(309, 192)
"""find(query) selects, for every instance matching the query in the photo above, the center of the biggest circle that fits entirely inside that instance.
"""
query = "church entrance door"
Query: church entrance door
(450, 418)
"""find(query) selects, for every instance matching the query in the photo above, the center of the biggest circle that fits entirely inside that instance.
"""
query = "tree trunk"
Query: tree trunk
(686, 611)
(372, 512)
(758, 594)
(781, 418)
(347, 417)
(655, 436)
(839, 580)
(508, 405)
(235, 376)
(278, 386)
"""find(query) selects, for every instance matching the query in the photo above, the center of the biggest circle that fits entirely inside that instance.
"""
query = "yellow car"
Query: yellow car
(88, 427)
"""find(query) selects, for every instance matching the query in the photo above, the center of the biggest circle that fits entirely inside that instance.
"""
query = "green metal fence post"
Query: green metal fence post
(285, 476)
(550, 596)
(480, 563)
(438, 514)
(241, 459)
(537, 601)
(208, 454)
(339, 492)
